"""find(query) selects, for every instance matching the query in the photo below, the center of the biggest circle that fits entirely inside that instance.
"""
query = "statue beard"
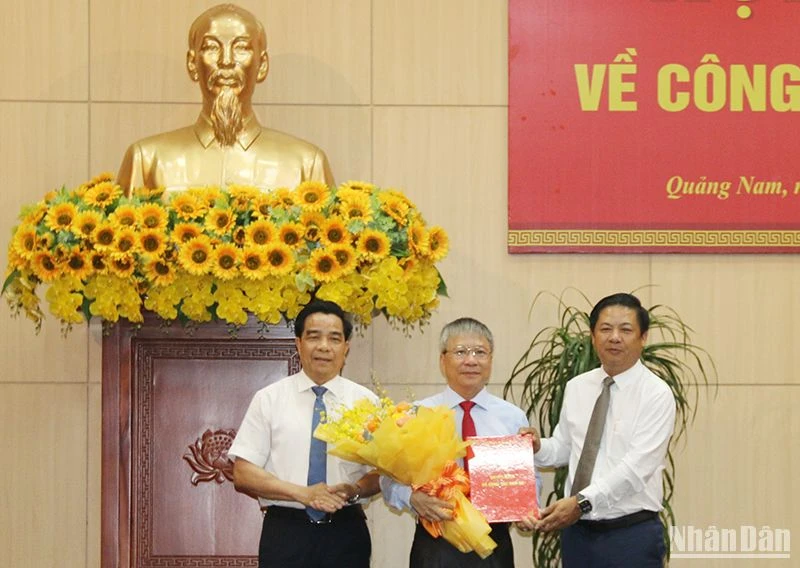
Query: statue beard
(226, 116)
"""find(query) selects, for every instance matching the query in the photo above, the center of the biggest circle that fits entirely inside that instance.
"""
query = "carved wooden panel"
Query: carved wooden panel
(171, 404)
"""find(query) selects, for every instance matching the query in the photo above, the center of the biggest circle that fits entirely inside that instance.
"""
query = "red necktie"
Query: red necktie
(467, 429)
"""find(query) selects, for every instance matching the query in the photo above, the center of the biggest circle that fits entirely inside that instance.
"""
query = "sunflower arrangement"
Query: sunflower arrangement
(224, 253)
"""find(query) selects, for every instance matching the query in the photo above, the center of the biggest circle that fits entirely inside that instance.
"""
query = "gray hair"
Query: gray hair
(464, 326)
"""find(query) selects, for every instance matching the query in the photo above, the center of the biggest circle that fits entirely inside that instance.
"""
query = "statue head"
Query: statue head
(227, 56)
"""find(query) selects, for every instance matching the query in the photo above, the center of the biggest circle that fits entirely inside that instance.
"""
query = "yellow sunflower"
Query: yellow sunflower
(225, 261)
(312, 195)
(126, 243)
(102, 194)
(60, 216)
(313, 222)
(86, 222)
(323, 266)
(254, 264)
(438, 244)
(345, 256)
(356, 207)
(395, 207)
(45, 266)
(187, 205)
(261, 206)
(152, 241)
(219, 221)
(153, 216)
(147, 193)
(260, 233)
(24, 242)
(373, 245)
(239, 236)
(159, 272)
(196, 256)
(122, 265)
(292, 234)
(358, 186)
(78, 264)
(185, 232)
(418, 240)
(334, 232)
(279, 258)
(98, 262)
(242, 196)
(124, 216)
(105, 236)
(283, 197)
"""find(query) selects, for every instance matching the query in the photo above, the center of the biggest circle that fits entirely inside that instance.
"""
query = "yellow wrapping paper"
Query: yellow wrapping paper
(417, 447)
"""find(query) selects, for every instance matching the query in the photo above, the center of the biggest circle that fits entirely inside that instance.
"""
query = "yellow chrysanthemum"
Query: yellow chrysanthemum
(24, 242)
(196, 256)
(45, 266)
(60, 216)
(225, 264)
(323, 266)
(219, 221)
(313, 221)
(312, 195)
(126, 242)
(283, 197)
(254, 264)
(185, 232)
(279, 258)
(292, 234)
(242, 196)
(153, 216)
(260, 233)
(345, 256)
(124, 216)
(334, 232)
(102, 194)
(86, 222)
(105, 236)
(438, 244)
(187, 206)
(159, 272)
(152, 241)
(122, 265)
(373, 245)
(395, 207)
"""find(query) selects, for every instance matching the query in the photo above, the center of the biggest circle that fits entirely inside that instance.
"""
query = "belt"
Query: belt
(351, 513)
(620, 522)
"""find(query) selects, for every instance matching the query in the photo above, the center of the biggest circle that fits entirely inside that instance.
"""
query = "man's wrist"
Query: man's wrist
(584, 505)
(356, 495)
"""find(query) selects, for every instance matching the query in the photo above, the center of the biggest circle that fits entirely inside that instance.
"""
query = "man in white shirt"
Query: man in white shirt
(308, 523)
(465, 360)
(611, 518)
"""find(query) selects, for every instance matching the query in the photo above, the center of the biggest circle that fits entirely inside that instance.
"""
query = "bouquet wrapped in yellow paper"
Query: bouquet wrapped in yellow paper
(416, 446)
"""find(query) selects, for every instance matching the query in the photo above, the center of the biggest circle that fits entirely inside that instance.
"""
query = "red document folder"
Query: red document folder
(502, 477)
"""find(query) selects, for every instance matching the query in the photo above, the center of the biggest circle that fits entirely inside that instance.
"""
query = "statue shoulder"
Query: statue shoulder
(285, 140)
(172, 139)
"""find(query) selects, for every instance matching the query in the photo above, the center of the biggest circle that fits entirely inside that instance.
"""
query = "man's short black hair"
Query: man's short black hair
(621, 299)
(322, 307)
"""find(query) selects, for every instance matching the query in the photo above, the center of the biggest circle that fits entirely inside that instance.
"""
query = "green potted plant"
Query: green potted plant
(560, 352)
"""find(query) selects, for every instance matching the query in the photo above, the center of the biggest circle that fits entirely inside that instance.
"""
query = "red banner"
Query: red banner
(654, 126)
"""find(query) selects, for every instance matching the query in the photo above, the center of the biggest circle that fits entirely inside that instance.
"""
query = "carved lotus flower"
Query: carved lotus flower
(209, 456)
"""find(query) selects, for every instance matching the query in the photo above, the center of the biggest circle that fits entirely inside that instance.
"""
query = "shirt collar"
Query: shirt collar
(453, 399)
(304, 383)
(205, 131)
(626, 377)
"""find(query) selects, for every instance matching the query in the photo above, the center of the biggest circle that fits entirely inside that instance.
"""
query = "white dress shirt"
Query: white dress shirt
(492, 415)
(639, 424)
(276, 430)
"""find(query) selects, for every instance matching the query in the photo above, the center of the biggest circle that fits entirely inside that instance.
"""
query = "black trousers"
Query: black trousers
(290, 540)
(429, 552)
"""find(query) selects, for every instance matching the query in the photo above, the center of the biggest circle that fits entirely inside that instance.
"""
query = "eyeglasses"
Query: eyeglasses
(460, 353)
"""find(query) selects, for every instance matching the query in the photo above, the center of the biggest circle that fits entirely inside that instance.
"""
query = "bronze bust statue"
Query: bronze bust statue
(227, 57)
